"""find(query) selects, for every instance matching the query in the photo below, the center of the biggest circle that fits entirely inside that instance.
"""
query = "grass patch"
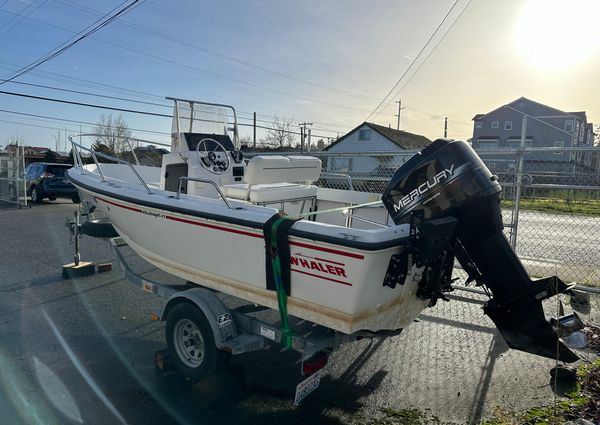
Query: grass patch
(585, 207)
(584, 402)
(391, 416)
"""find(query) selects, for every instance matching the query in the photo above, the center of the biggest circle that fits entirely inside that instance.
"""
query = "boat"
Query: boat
(259, 229)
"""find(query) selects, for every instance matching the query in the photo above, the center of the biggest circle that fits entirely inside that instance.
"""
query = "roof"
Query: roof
(581, 115)
(521, 99)
(403, 139)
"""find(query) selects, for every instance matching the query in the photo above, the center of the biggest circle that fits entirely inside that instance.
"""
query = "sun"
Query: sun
(558, 35)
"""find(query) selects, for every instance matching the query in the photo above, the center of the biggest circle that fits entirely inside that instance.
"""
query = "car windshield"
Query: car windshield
(57, 170)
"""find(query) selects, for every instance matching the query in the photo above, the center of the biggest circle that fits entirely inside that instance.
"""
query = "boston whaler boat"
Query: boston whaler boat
(350, 261)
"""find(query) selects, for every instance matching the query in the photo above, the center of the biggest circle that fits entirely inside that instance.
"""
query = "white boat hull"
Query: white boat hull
(335, 286)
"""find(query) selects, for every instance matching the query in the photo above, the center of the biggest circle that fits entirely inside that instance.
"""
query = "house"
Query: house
(546, 127)
(147, 155)
(38, 154)
(369, 137)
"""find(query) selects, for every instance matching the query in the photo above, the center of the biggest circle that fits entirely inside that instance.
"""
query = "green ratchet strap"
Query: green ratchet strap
(286, 332)
(280, 223)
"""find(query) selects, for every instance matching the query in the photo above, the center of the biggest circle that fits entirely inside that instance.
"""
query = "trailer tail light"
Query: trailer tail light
(315, 363)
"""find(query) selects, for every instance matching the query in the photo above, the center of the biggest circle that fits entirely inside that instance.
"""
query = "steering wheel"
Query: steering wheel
(215, 160)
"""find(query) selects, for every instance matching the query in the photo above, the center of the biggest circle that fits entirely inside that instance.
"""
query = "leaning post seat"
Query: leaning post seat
(270, 179)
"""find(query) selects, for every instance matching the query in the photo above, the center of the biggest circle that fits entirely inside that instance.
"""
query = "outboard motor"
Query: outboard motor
(452, 200)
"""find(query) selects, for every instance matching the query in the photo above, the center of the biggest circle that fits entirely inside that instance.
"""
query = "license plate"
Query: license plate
(307, 386)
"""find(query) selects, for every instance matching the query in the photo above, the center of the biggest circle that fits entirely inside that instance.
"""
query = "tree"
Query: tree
(102, 148)
(112, 134)
(246, 141)
(50, 156)
(281, 133)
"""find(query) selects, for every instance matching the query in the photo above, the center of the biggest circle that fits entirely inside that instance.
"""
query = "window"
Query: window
(495, 124)
(478, 124)
(364, 134)
(487, 143)
(515, 143)
(559, 144)
(341, 164)
(508, 125)
(569, 126)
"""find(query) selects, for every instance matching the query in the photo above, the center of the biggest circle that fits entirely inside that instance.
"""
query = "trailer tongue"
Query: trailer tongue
(453, 201)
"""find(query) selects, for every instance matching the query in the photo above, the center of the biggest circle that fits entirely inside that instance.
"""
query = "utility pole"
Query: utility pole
(445, 127)
(303, 133)
(254, 133)
(399, 102)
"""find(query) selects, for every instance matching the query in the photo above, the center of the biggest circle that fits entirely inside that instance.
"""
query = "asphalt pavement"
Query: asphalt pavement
(81, 351)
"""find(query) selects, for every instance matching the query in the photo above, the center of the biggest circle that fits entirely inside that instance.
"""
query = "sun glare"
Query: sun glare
(558, 35)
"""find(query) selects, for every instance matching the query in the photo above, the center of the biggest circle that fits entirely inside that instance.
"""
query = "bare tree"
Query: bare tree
(281, 134)
(112, 133)
(246, 141)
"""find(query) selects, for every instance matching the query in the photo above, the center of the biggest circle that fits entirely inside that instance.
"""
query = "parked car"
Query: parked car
(45, 180)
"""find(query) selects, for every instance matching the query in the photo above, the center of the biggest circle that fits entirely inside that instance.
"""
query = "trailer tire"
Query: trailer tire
(191, 343)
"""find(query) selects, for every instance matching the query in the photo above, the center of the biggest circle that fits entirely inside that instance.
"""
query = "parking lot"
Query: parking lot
(81, 351)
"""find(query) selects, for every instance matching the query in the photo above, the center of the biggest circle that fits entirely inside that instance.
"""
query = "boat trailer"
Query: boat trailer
(204, 328)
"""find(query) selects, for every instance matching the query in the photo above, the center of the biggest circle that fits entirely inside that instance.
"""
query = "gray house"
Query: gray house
(546, 127)
(369, 137)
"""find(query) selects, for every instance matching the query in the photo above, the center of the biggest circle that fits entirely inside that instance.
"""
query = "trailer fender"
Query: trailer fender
(219, 316)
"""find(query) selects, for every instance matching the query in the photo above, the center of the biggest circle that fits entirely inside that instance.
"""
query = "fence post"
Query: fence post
(521, 155)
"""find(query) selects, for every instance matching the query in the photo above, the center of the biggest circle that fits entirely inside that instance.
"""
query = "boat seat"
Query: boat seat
(276, 178)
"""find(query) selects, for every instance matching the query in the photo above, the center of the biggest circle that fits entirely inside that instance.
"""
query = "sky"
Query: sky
(327, 62)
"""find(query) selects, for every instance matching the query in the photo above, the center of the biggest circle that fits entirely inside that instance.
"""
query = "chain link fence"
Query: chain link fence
(12, 181)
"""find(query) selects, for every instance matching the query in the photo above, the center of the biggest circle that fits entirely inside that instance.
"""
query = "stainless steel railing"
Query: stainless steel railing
(79, 162)
(195, 179)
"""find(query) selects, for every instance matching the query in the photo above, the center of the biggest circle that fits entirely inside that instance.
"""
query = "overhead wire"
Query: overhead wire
(135, 100)
(220, 54)
(10, 24)
(127, 110)
(414, 60)
(76, 121)
(208, 72)
(105, 20)
(430, 53)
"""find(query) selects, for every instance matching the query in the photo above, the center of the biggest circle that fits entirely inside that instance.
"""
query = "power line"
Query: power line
(205, 71)
(89, 105)
(136, 101)
(219, 54)
(15, 19)
(414, 60)
(32, 125)
(164, 105)
(112, 108)
(76, 121)
(431, 51)
(81, 35)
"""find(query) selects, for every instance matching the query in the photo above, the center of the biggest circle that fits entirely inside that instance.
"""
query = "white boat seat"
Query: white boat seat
(269, 193)
(270, 179)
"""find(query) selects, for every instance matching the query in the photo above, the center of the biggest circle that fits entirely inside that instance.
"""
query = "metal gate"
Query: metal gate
(12, 178)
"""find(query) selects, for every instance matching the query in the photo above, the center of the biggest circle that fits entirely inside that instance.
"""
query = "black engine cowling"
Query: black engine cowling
(447, 180)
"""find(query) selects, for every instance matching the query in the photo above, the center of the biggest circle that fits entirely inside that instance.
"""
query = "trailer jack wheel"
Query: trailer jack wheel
(191, 343)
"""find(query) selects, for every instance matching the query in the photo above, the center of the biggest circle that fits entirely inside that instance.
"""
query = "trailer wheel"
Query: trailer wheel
(191, 343)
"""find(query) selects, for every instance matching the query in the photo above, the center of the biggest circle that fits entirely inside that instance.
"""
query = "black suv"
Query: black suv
(46, 180)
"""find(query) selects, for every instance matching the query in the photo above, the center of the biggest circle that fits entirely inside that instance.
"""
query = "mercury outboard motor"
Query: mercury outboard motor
(452, 200)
